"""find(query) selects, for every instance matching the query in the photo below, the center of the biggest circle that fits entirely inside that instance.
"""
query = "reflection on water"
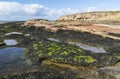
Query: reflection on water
(18, 33)
(27, 35)
(13, 61)
(83, 46)
(52, 39)
(88, 47)
(11, 54)
(10, 42)
(2, 22)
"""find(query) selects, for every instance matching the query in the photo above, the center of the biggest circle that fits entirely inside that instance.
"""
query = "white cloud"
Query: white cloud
(91, 9)
(15, 10)
(9, 8)
(116, 9)
(19, 11)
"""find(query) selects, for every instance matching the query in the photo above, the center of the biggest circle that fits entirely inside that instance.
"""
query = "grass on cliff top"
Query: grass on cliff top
(93, 12)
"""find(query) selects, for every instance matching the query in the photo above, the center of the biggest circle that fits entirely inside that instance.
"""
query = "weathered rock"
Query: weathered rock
(69, 54)
(110, 16)
(111, 71)
(46, 72)
(65, 53)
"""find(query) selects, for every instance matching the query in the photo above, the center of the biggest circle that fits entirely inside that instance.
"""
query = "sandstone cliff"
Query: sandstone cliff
(111, 16)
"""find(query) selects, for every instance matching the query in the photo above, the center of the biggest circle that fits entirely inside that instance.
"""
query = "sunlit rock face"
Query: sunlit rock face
(97, 16)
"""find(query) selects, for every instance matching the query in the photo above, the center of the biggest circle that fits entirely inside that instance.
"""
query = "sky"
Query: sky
(51, 9)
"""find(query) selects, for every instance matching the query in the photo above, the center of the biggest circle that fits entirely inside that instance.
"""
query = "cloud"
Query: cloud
(91, 9)
(116, 9)
(15, 10)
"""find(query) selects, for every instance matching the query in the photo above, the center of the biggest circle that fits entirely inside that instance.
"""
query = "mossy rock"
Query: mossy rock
(61, 53)
(46, 72)
(2, 43)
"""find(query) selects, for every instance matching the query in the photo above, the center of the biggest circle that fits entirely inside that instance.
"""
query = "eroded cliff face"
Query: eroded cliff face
(113, 16)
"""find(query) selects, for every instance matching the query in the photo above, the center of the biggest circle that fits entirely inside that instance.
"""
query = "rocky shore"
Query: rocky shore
(59, 50)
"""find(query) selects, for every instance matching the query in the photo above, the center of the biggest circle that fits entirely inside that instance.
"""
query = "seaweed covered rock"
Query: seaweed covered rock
(2, 43)
(69, 54)
(46, 72)
(61, 53)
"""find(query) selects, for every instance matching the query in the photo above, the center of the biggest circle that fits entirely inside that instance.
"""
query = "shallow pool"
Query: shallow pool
(10, 42)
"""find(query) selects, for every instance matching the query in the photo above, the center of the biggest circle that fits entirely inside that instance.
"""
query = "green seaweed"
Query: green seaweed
(87, 59)
(2, 43)
(62, 53)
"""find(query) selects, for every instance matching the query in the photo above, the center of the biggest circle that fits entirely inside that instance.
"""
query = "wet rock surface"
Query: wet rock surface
(66, 61)
(113, 71)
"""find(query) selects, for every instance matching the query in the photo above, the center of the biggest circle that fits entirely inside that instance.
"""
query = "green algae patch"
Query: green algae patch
(64, 53)
(2, 43)
(61, 53)
(117, 56)
(87, 59)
